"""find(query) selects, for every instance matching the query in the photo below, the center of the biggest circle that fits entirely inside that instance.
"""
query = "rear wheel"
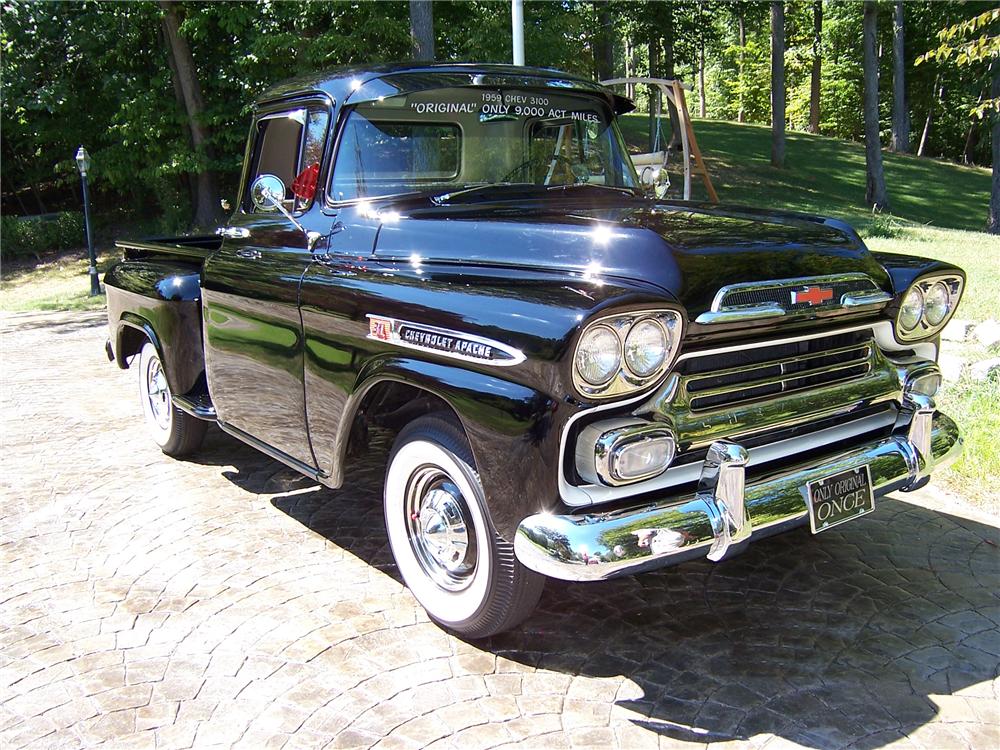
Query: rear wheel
(177, 433)
(452, 559)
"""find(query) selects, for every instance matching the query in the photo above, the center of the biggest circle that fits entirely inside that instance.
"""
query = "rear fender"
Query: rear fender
(159, 301)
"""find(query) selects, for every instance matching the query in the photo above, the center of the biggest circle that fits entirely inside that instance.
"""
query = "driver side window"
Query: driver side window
(289, 146)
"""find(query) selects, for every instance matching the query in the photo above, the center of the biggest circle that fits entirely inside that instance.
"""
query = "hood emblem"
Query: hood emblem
(812, 295)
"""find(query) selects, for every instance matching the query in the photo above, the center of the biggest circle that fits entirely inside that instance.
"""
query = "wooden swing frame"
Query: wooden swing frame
(673, 90)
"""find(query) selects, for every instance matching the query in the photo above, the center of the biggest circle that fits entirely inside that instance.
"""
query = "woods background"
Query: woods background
(160, 92)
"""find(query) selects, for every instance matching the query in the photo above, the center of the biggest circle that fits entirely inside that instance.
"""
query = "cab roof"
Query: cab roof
(355, 84)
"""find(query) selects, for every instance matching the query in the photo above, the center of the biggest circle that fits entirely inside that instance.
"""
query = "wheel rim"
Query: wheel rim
(441, 533)
(158, 394)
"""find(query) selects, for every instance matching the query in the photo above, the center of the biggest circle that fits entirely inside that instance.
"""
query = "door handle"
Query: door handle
(249, 253)
(233, 233)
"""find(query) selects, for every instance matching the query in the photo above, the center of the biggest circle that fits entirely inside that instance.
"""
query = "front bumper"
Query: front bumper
(725, 513)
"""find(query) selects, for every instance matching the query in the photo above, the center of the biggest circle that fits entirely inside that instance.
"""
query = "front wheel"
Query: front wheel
(177, 433)
(452, 559)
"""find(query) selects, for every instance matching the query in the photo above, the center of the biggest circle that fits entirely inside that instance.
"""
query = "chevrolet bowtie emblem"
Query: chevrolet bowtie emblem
(812, 295)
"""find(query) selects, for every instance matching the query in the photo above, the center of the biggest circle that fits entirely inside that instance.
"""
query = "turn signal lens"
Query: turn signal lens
(646, 347)
(598, 357)
(912, 309)
(937, 304)
(642, 459)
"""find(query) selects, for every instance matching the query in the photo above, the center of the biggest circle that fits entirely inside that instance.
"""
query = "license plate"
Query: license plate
(839, 498)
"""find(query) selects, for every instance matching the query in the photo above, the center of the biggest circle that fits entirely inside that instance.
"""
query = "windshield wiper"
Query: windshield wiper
(575, 185)
(450, 196)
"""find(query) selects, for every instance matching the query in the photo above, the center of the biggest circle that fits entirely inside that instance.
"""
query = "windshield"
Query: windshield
(444, 140)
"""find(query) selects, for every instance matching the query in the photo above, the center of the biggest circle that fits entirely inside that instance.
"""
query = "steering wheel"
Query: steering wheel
(557, 158)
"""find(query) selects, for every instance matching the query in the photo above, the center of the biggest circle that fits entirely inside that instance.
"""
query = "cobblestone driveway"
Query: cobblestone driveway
(227, 601)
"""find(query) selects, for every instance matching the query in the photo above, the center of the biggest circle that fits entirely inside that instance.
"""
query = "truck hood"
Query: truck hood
(687, 250)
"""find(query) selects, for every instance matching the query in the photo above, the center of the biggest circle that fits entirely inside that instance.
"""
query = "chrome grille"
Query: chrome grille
(780, 292)
(736, 378)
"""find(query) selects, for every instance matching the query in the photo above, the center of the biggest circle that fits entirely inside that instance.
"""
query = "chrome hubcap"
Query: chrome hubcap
(439, 529)
(158, 394)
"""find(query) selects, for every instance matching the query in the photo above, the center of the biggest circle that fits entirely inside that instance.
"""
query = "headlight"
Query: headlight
(599, 355)
(645, 347)
(623, 353)
(937, 304)
(927, 306)
(912, 309)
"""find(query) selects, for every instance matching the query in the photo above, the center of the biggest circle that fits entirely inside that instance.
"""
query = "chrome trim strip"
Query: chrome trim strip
(596, 546)
(737, 314)
(863, 299)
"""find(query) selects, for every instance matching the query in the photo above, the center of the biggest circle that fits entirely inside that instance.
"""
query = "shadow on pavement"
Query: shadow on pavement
(842, 640)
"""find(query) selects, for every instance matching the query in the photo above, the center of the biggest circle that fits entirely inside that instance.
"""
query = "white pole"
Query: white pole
(517, 29)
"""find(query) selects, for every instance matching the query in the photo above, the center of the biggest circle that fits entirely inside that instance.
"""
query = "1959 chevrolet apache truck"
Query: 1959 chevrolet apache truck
(583, 381)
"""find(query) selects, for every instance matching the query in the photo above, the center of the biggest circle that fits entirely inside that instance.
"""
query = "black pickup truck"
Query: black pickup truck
(583, 381)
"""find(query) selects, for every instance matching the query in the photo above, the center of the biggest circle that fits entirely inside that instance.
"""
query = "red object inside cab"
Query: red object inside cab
(304, 185)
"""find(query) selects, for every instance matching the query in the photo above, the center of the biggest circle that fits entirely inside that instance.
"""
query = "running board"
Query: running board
(199, 406)
(274, 453)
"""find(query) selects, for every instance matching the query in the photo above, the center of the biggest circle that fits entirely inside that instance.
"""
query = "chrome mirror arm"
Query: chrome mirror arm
(269, 196)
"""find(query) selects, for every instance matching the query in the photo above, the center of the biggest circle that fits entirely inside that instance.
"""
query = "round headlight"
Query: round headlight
(599, 355)
(937, 304)
(645, 347)
(911, 310)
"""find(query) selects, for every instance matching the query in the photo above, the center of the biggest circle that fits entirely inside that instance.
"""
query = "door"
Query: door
(253, 330)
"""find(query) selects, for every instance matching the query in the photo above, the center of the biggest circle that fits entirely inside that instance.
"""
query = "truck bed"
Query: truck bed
(194, 247)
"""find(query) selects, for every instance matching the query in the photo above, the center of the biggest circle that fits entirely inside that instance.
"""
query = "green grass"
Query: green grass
(58, 281)
(827, 176)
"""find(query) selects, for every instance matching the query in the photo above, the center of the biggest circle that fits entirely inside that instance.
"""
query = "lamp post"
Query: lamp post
(83, 164)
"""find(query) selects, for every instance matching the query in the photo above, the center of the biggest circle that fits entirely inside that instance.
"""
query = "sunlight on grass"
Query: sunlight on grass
(58, 282)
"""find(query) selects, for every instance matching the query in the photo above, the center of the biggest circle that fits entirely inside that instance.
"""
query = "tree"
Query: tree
(741, 20)
(778, 84)
(993, 221)
(604, 49)
(900, 110)
(875, 192)
(189, 95)
(817, 67)
(422, 29)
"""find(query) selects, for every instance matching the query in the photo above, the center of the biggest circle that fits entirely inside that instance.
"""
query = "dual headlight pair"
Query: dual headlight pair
(927, 306)
(625, 352)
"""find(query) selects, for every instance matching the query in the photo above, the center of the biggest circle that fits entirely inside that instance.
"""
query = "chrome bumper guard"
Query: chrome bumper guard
(725, 512)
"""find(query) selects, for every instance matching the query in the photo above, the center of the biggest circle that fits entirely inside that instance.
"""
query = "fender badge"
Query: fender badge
(444, 341)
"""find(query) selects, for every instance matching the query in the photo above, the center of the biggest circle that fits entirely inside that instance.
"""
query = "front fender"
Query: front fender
(511, 428)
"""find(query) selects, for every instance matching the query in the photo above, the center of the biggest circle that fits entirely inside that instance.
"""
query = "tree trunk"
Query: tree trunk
(993, 222)
(629, 68)
(900, 110)
(654, 91)
(741, 113)
(875, 193)
(817, 67)
(206, 209)
(701, 77)
(668, 71)
(778, 84)
(925, 135)
(604, 51)
(422, 29)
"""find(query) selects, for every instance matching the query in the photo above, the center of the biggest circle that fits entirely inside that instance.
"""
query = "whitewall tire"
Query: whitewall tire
(452, 559)
(176, 433)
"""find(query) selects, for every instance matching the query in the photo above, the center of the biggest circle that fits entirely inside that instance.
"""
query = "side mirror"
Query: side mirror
(267, 192)
(655, 181)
